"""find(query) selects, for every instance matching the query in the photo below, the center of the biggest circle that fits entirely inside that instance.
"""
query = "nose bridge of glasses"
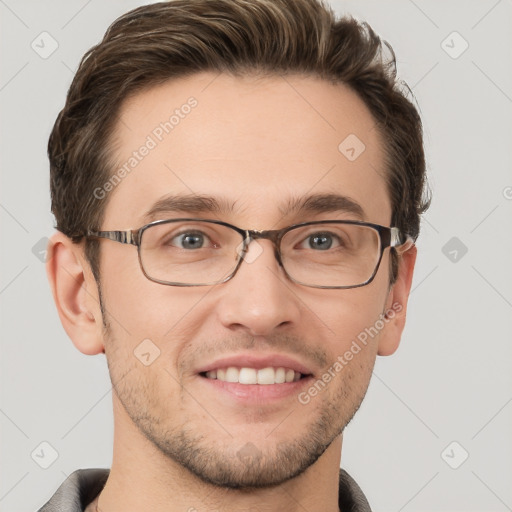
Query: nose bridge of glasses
(269, 234)
(266, 234)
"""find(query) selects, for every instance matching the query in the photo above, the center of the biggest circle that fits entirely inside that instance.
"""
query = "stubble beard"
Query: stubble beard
(240, 464)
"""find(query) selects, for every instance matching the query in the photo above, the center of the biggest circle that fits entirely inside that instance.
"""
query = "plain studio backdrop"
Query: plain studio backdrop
(433, 433)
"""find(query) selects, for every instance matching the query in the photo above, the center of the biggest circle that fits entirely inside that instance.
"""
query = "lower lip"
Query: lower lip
(258, 392)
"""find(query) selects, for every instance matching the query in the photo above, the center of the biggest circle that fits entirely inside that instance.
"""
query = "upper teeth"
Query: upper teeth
(244, 375)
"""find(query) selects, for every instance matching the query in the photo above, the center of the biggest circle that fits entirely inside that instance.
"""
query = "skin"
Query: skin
(255, 141)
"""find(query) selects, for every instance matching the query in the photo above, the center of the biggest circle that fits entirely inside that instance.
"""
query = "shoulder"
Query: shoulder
(351, 497)
(77, 491)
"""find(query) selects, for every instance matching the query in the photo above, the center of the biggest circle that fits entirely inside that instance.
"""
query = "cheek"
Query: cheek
(352, 324)
(344, 314)
(137, 307)
(149, 318)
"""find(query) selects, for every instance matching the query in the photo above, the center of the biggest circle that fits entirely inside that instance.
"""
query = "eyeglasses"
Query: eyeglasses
(200, 252)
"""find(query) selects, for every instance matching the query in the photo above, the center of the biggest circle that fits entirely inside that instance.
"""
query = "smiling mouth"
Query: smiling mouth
(246, 375)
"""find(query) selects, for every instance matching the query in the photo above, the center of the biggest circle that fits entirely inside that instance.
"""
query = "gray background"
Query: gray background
(449, 381)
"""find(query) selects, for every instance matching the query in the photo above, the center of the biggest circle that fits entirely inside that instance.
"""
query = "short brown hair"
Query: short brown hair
(154, 43)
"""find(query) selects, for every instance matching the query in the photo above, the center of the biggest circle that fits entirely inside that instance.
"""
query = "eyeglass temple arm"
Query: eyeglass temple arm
(123, 237)
(400, 241)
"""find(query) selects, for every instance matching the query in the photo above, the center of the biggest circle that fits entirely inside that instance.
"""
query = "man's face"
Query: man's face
(256, 144)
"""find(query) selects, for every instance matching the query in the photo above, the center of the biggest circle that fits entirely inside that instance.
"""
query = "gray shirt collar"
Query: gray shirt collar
(83, 485)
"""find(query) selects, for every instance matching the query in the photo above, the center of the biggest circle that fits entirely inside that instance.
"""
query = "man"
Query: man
(237, 187)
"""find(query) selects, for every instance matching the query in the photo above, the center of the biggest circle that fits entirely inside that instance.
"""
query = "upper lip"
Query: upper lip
(258, 361)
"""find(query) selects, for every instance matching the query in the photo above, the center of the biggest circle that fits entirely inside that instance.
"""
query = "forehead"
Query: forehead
(257, 144)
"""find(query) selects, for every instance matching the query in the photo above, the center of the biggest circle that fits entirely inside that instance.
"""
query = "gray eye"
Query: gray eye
(322, 241)
(190, 240)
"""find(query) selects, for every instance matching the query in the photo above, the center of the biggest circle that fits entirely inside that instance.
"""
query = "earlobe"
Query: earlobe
(75, 294)
(396, 304)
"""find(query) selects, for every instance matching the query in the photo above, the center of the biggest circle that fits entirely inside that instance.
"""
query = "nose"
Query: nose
(259, 298)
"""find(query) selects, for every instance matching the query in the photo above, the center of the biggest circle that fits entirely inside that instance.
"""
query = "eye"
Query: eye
(322, 241)
(189, 240)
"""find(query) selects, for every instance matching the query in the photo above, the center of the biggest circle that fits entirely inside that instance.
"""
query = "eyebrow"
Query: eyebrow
(194, 204)
(188, 204)
(323, 203)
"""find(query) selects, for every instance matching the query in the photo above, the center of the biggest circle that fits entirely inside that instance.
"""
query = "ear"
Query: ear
(396, 304)
(75, 293)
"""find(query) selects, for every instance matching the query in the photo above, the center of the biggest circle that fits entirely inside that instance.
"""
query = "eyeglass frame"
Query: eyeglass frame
(389, 237)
